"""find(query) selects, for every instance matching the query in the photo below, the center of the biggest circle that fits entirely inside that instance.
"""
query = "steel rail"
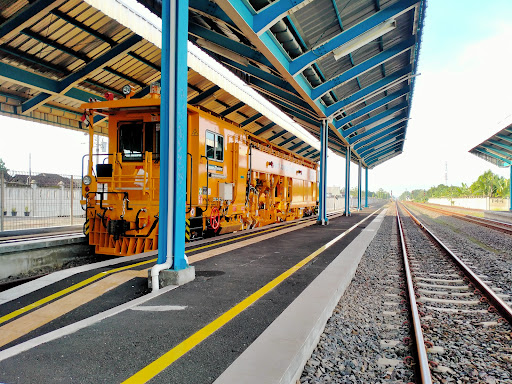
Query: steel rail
(493, 298)
(426, 377)
(493, 224)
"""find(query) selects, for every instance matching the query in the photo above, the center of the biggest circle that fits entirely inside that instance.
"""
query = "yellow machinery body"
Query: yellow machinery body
(235, 180)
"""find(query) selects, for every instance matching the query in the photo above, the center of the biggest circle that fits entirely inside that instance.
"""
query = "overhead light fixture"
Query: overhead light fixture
(364, 39)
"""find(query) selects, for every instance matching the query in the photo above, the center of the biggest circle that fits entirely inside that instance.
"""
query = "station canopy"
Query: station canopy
(497, 149)
(352, 62)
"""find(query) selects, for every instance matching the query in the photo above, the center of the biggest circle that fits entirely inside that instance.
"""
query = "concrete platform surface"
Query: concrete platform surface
(193, 333)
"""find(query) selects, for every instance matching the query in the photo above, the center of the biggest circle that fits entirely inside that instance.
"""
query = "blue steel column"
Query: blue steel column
(322, 208)
(359, 187)
(173, 134)
(347, 181)
(366, 189)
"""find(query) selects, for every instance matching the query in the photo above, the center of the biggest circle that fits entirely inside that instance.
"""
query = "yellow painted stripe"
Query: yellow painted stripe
(240, 237)
(101, 275)
(20, 327)
(65, 291)
(157, 366)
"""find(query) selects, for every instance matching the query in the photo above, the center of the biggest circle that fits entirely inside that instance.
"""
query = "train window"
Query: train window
(210, 145)
(214, 146)
(130, 141)
(152, 139)
(219, 149)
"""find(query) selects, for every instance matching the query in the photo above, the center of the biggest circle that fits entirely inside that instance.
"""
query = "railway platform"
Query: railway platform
(254, 312)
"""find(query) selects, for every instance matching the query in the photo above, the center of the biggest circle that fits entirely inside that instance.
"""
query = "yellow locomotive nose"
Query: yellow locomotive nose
(235, 180)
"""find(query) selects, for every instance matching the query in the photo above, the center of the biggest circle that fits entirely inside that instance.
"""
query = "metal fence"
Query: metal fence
(39, 200)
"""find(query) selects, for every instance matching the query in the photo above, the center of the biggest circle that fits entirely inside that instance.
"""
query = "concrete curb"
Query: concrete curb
(279, 354)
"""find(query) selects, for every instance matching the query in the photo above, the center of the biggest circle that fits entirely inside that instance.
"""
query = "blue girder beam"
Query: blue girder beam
(272, 13)
(502, 145)
(210, 8)
(42, 83)
(25, 15)
(67, 83)
(264, 129)
(286, 141)
(232, 109)
(251, 119)
(308, 58)
(365, 66)
(499, 152)
(485, 152)
(278, 134)
(385, 135)
(204, 95)
(379, 160)
(384, 145)
(376, 130)
(227, 43)
(83, 27)
(261, 74)
(371, 120)
(297, 145)
(505, 138)
(303, 149)
(384, 151)
(373, 106)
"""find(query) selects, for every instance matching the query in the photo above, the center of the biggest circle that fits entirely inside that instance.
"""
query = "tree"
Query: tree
(485, 185)
(3, 168)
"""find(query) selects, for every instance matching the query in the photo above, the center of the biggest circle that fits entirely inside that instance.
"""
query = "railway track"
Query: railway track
(494, 224)
(462, 325)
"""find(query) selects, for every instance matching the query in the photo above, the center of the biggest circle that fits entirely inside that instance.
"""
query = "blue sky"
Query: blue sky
(460, 99)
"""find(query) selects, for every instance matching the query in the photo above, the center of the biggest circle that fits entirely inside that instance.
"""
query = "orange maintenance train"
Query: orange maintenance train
(235, 180)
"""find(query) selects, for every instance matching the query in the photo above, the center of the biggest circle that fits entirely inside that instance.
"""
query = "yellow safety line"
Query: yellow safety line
(240, 237)
(157, 366)
(98, 276)
(23, 325)
(65, 291)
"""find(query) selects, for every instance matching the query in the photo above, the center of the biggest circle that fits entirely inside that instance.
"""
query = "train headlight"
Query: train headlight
(127, 90)
(87, 180)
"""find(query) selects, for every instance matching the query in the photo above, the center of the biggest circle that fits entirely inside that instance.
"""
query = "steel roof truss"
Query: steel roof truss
(251, 119)
(204, 95)
(83, 27)
(26, 17)
(387, 115)
(373, 106)
(87, 70)
(275, 11)
(305, 60)
(365, 66)
(264, 129)
(232, 109)
(502, 145)
(376, 162)
(485, 152)
(498, 152)
(384, 151)
(505, 138)
(286, 141)
(294, 146)
(376, 130)
(380, 139)
(226, 42)
(377, 87)
(384, 145)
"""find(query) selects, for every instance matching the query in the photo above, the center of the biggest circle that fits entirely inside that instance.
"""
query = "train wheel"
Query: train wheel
(215, 219)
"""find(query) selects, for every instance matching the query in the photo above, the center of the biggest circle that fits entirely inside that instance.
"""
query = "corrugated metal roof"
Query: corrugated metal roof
(45, 42)
(497, 149)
